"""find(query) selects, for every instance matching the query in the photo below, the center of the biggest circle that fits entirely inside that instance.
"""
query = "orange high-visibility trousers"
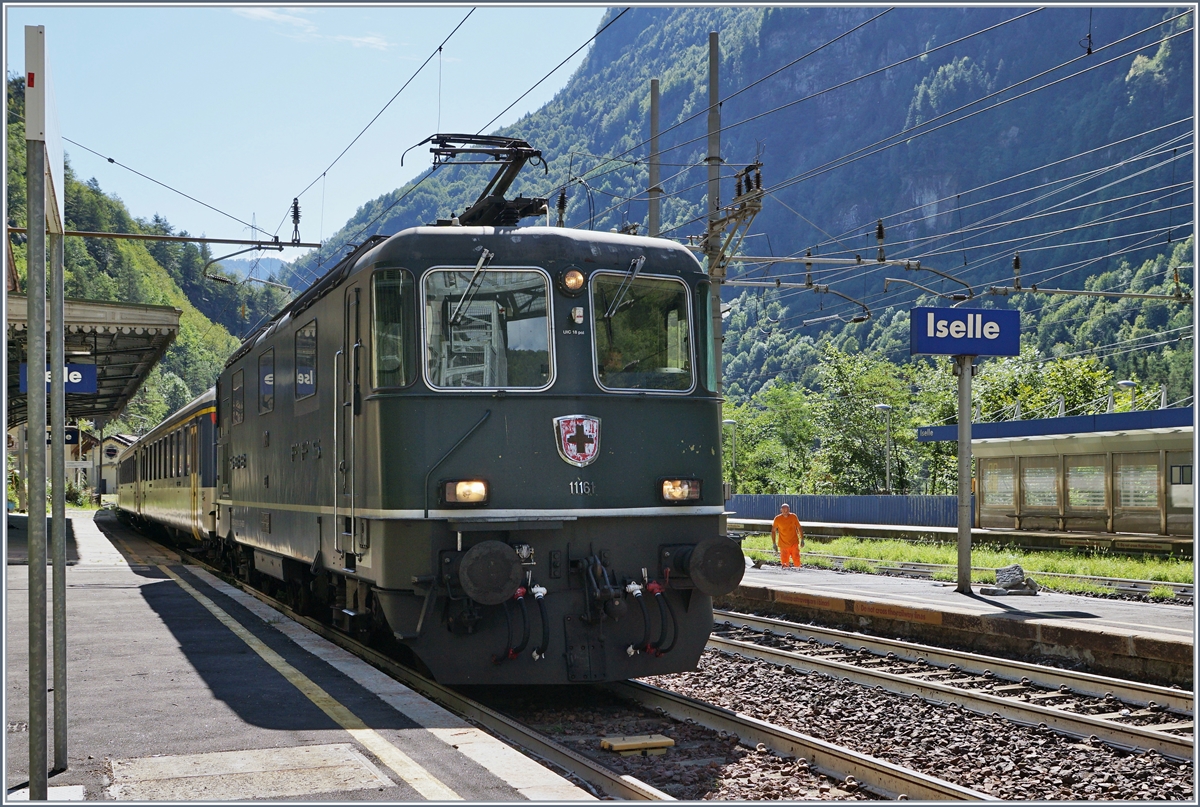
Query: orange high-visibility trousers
(791, 553)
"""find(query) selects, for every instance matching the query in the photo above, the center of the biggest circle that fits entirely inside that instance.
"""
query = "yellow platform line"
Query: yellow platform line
(405, 767)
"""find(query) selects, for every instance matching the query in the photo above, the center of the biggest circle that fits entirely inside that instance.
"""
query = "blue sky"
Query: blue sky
(242, 107)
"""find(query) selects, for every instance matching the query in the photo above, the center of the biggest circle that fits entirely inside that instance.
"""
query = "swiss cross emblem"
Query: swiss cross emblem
(578, 438)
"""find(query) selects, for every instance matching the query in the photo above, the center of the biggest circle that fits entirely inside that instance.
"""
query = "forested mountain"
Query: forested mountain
(973, 133)
(155, 273)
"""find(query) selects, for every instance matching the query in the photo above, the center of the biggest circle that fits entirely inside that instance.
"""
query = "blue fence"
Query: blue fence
(915, 511)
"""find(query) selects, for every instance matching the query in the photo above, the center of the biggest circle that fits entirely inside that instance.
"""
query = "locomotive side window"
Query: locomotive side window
(642, 333)
(238, 404)
(266, 382)
(487, 330)
(394, 335)
(306, 360)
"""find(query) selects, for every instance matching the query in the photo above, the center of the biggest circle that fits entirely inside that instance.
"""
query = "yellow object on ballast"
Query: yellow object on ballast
(638, 744)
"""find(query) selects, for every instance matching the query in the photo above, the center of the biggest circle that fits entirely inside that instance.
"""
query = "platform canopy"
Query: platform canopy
(124, 341)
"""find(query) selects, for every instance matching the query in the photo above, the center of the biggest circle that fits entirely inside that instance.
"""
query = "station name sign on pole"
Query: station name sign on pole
(964, 333)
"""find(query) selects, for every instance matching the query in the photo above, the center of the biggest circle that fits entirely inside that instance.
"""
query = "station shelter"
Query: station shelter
(1120, 472)
(122, 340)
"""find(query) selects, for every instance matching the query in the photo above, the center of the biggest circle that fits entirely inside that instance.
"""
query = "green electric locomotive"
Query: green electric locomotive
(499, 444)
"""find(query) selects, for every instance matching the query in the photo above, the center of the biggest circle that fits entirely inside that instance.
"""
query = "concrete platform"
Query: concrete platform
(1143, 641)
(182, 688)
(1126, 543)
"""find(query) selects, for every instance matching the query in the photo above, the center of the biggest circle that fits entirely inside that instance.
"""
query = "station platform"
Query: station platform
(1144, 641)
(183, 688)
(1131, 543)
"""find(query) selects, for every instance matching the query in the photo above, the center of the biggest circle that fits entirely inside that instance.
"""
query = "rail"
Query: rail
(909, 669)
(872, 773)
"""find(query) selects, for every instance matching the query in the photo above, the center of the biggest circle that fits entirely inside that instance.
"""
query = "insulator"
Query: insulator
(296, 220)
(1017, 271)
(739, 187)
(562, 206)
(757, 180)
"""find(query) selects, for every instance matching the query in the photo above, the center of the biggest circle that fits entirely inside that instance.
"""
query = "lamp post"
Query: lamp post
(733, 451)
(886, 410)
(1131, 386)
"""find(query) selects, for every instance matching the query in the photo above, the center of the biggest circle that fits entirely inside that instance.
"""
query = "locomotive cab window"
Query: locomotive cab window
(237, 407)
(394, 341)
(643, 339)
(306, 360)
(266, 382)
(487, 329)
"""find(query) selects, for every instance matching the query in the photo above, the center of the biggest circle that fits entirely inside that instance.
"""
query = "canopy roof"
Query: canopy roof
(123, 340)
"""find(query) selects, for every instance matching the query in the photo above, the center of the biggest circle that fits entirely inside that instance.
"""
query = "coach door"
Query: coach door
(348, 405)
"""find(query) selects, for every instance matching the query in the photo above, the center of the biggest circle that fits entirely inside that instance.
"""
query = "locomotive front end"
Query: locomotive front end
(545, 502)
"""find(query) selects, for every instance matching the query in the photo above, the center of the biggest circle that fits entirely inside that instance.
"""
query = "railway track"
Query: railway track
(859, 772)
(880, 776)
(1131, 716)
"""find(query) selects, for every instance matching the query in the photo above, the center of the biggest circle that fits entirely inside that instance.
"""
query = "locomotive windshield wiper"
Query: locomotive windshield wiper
(471, 290)
(635, 266)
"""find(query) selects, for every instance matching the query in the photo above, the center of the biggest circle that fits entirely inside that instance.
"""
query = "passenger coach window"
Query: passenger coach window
(642, 333)
(306, 360)
(266, 382)
(238, 404)
(492, 332)
(394, 338)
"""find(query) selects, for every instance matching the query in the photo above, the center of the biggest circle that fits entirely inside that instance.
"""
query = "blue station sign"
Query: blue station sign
(77, 378)
(965, 332)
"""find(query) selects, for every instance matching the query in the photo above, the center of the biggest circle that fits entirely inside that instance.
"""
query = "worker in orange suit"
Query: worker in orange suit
(787, 536)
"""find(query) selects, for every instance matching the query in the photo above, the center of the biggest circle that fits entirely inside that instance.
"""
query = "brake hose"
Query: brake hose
(655, 588)
(539, 593)
(635, 589)
(513, 652)
(497, 659)
(674, 626)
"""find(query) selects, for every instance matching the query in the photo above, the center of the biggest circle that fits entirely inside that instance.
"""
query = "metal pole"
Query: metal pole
(888, 421)
(964, 472)
(22, 465)
(58, 521)
(712, 241)
(655, 190)
(35, 177)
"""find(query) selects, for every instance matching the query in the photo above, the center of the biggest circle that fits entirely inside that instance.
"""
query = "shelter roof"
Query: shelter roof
(1150, 421)
(123, 340)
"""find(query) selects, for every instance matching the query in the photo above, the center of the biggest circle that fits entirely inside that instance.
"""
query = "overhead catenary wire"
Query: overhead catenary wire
(165, 185)
(908, 134)
(436, 51)
(554, 70)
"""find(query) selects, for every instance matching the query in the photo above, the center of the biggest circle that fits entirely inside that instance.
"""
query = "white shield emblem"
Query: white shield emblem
(578, 438)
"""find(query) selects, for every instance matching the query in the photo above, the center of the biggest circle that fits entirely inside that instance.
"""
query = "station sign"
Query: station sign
(965, 332)
(77, 378)
(70, 436)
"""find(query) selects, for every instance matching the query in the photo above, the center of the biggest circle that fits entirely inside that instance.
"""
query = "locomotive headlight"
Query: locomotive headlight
(466, 491)
(680, 490)
(571, 281)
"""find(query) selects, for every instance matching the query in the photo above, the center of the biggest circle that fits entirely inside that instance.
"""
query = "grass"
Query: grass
(1043, 566)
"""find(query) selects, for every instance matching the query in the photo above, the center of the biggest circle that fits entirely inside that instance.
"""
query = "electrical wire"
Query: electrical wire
(555, 70)
(417, 72)
(908, 134)
(164, 185)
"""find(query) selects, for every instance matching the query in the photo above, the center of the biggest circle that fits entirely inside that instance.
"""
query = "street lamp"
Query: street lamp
(886, 410)
(733, 450)
(1131, 386)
